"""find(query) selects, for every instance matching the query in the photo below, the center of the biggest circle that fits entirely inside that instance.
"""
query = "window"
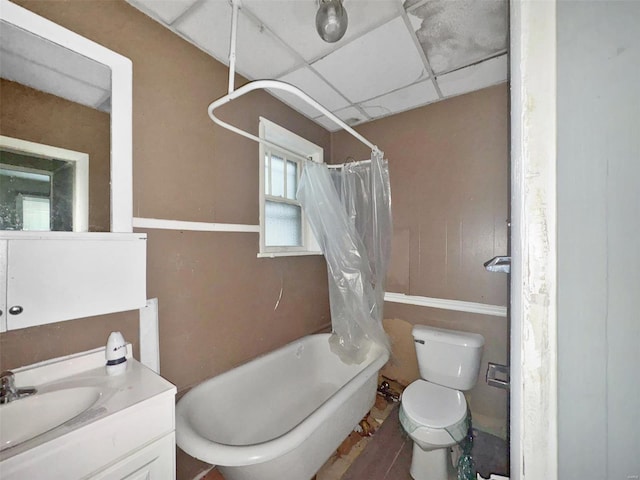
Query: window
(283, 227)
(38, 180)
(35, 213)
(25, 197)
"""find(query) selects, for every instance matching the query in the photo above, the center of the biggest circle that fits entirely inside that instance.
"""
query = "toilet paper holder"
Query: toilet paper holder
(497, 375)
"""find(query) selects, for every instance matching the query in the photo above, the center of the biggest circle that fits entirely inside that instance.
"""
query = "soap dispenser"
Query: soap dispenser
(116, 354)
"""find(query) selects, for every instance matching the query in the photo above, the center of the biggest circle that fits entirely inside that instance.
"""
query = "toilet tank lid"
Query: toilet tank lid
(453, 337)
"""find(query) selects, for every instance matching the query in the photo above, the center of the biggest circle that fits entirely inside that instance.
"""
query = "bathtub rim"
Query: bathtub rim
(216, 453)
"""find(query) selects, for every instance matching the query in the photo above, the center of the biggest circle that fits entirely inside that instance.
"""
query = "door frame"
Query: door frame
(533, 397)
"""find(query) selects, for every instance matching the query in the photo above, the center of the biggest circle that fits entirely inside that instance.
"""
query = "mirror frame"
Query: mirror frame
(121, 104)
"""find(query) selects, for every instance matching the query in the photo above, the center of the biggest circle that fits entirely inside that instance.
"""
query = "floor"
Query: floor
(339, 463)
(386, 455)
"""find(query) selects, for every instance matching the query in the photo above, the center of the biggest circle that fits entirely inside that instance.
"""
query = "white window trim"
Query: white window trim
(281, 136)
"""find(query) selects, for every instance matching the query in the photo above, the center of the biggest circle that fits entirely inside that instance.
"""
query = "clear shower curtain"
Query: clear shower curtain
(349, 211)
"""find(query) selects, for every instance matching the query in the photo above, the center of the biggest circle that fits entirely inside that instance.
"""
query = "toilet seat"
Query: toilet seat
(432, 405)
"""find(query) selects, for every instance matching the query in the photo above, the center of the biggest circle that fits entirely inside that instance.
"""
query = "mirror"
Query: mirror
(56, 87)
(55, 108)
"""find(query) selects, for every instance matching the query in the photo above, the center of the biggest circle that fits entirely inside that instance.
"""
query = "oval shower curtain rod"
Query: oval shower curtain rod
(269, 84)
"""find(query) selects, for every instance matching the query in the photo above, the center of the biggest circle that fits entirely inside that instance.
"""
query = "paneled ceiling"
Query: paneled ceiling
(394, 56)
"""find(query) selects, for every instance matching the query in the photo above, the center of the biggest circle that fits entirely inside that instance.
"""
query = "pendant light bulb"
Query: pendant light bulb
(331, 20)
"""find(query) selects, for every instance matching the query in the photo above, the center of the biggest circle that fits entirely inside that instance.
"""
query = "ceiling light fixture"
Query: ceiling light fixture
(331, 20)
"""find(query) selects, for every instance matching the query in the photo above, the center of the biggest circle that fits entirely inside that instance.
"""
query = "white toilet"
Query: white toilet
(433, 409)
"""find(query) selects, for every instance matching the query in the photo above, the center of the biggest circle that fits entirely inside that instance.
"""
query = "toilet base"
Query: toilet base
(429, 465)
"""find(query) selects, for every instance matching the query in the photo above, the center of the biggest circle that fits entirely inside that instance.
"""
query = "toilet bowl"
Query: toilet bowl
(433, 410)
(435, 418)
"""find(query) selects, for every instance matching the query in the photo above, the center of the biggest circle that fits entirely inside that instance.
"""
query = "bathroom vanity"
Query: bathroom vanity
(83, 423)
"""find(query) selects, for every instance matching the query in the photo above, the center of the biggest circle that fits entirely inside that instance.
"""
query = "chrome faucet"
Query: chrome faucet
(8, 390)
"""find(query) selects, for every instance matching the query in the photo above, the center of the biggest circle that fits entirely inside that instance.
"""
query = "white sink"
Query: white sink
(29, 417)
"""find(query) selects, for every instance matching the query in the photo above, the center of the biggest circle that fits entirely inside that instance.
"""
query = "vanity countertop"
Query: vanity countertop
(124, 402)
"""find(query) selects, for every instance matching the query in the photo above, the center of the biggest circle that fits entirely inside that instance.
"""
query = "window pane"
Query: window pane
(277, 176)
(266, 174)
(35, 214)
(292, 179)
(282, 225)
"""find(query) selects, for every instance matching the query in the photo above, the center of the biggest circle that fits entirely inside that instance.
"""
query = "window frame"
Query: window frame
(276, 134)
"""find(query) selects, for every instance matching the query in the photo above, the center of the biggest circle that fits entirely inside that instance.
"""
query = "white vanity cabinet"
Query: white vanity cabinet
(50, 278)
(155, 461)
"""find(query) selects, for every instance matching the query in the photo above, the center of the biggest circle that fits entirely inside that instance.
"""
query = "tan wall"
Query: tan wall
(217, 301)
(28, 114)
(30, 345)
(448, 165)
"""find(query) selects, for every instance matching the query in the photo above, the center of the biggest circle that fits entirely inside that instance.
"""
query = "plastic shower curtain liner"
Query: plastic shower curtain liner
(349, 210)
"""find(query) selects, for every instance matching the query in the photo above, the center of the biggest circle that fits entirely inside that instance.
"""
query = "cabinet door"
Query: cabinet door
(154, 462)
(54, 280)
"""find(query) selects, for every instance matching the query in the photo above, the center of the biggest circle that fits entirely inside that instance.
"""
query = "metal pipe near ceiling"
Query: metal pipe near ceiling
(269, 84)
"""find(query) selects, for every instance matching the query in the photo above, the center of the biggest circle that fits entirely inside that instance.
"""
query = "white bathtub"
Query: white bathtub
(280, 416)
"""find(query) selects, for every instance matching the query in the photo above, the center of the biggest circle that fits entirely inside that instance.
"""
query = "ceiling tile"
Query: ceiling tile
(349, 115)
(208, 26)
(294, 102)
(258, 53)
(382, 60)
(165, 10)
(454, 34)
(404, 99)
(311, 84)
(328, 124)
(475, 77)
(294, 22)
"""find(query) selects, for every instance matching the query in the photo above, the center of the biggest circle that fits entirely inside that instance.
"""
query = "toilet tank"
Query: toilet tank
(448, 357)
